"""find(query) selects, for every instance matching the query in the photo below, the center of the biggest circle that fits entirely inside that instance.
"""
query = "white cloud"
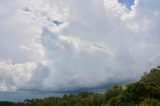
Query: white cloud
(13, 76)
(98, 42)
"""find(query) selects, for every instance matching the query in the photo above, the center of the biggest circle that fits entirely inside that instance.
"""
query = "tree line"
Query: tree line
(144, 92)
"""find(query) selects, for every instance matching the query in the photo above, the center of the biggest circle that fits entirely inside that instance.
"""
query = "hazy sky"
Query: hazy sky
(68, 45)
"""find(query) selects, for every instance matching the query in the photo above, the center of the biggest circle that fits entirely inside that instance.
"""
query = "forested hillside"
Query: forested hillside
(145, 92)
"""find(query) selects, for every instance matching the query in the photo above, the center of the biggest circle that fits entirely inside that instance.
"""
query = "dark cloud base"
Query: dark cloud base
(19, 96)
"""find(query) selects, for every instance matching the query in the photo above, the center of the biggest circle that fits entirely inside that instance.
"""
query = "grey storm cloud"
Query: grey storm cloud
(52, 45)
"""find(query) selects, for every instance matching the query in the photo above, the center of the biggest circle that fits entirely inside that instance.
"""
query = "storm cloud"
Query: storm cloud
(53, 45)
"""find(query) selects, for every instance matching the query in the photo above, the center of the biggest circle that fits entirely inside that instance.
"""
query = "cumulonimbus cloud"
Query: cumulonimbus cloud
(92, 44)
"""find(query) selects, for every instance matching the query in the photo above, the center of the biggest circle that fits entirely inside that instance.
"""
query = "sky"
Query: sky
(127, 3)
(75, 45)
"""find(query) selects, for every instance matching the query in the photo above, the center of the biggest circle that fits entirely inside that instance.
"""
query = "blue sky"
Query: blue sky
(78, 45)
(127, 3)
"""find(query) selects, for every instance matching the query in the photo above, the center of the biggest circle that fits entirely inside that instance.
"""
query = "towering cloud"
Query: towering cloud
(53, 45)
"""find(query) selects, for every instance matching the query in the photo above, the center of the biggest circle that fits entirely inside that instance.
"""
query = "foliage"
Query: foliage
(145, 92)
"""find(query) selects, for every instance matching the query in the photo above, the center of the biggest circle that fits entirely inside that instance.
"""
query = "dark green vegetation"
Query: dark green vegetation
(145, 92)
